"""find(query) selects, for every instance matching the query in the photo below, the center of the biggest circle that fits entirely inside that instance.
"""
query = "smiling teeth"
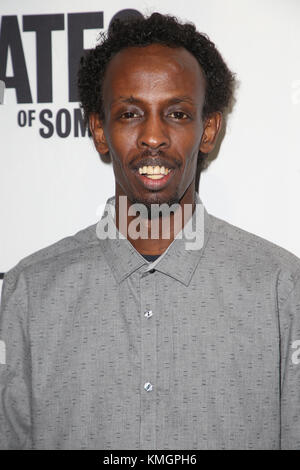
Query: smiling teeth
(155, 177)
(157, 171)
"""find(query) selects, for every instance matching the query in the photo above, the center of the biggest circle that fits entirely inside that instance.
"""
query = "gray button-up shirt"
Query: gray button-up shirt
(199, 349)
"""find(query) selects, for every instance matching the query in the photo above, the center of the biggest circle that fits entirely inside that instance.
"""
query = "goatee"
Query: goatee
(151, 207)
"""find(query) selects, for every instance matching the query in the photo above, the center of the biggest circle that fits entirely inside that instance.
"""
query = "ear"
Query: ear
(97, 130)
(212, 127)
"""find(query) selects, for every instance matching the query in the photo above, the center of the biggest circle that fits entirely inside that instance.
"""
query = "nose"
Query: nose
(153, 134)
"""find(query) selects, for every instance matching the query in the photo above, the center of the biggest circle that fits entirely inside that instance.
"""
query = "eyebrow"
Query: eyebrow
(132, 100)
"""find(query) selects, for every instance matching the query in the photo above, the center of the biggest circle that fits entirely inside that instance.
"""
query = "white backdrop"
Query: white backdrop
(51, 187)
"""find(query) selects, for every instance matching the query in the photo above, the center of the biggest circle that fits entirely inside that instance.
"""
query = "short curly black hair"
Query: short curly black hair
(143, 31)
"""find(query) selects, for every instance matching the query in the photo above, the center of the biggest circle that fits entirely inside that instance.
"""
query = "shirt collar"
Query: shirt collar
(179, 260)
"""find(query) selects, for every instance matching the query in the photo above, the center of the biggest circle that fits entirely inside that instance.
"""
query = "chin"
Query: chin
(156, 198)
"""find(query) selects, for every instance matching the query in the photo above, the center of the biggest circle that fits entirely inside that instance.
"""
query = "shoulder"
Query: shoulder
(54, 257)
(257, 255)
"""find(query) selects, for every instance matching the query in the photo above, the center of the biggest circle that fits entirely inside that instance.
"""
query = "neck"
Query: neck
(153, 235)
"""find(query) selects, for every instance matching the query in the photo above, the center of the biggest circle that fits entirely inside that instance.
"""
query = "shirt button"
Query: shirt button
(148, 313)
(148, 387)
(152, 271)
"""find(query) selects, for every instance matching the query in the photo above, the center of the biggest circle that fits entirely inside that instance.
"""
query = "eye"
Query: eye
(178, 115)
(129, 115)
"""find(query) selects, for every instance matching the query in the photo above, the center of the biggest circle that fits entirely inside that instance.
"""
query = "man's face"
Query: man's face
(153, 99)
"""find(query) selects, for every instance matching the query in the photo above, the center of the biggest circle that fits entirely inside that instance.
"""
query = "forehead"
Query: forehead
(153, 72)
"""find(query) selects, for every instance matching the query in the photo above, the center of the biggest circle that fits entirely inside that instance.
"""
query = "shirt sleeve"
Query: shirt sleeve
(290, 369)
(15, 369)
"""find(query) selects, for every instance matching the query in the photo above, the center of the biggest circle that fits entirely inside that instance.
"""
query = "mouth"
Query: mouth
(154, 178)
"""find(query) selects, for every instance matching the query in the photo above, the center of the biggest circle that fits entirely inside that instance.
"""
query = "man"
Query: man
(120, 341)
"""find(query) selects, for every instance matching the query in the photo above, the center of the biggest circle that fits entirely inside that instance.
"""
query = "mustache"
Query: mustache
(154, 158)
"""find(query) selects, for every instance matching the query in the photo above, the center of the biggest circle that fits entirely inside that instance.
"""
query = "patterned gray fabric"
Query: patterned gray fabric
(196, 350)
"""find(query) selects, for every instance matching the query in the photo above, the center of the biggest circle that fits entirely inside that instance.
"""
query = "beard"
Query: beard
(153, 211)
